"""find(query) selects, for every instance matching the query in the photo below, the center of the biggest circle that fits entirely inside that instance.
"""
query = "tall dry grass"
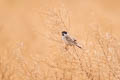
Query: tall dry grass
(98, 60)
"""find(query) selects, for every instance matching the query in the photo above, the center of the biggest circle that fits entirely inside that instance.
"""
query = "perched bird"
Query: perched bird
(69, 41)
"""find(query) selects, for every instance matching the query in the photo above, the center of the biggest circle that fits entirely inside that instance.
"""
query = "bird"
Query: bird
(68, 40)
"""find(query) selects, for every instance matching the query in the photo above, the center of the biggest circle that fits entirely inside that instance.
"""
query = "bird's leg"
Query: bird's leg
(66, 47)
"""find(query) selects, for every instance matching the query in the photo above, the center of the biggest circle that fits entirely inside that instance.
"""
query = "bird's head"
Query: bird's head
(64, 33)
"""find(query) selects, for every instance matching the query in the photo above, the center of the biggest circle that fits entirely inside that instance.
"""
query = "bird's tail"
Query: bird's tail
(78, 46)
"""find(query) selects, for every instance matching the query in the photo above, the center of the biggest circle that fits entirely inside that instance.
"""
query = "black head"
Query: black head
(64, 32)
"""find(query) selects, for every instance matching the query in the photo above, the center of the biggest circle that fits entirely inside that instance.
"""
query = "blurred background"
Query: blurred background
(23, 30)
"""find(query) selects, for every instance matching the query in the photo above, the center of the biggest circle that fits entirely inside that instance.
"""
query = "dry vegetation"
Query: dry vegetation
(99, 60)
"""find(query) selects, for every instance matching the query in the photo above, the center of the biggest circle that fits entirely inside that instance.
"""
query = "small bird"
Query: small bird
(69, 41)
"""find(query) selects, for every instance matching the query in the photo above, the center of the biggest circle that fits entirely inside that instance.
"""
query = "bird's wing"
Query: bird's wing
(74, 39)
(68, 38)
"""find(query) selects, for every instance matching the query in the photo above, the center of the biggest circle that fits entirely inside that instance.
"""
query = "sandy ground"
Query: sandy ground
(22, 24)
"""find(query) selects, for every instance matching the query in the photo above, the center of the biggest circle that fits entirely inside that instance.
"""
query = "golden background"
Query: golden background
(24, 47)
